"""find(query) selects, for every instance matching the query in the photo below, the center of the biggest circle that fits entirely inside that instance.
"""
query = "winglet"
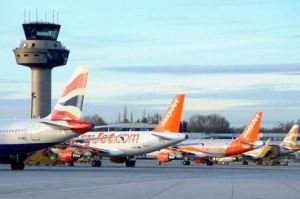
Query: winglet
(171, 119)
(250, 133)
(70, 103)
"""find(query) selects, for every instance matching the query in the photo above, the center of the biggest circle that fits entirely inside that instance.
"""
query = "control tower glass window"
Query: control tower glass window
(37, 31)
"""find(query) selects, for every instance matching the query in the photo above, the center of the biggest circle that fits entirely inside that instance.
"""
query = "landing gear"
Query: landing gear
(209, 163)
(17, 165)
(71, 164)
(130, 163)
(158, 163)
(17, 162)
(245, 162)
(186, 162)
(96, 163)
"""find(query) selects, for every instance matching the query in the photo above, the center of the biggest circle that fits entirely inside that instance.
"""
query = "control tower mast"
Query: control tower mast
(41, 52)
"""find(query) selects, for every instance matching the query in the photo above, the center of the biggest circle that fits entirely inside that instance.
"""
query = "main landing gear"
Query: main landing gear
(209, 163)
(186, 162)
(96, 163)
(130, 163)
(17, 162)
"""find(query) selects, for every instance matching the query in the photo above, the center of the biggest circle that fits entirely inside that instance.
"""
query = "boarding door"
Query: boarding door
(35, 132)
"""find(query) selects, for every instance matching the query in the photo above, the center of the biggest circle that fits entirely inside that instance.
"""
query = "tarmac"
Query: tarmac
(150, 181)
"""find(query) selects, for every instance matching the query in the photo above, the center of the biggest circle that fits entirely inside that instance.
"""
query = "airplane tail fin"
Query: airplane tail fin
(250, 133)
(170, 122)
(70, 103)
(291, 138)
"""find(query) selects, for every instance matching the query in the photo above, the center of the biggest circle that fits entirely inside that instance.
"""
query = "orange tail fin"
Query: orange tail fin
(171, 119)
(250, 133)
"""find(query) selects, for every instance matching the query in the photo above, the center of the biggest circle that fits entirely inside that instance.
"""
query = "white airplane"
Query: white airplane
(20, 137)
(123, 146)
(274, 151)
(205, 151)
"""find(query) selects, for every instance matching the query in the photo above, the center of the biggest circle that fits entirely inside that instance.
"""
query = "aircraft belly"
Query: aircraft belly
(21, 148)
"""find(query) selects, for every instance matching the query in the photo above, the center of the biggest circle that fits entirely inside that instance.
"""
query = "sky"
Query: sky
(230, 57)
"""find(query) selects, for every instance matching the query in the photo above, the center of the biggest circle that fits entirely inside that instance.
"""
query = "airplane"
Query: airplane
(270, 152)
(204, 150)
(122, 146)
(20, 137)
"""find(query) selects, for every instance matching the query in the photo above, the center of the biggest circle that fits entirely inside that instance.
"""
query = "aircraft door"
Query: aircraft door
(35, 132)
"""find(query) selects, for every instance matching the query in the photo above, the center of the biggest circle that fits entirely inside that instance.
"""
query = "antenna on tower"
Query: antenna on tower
(36, 14)
(24, 15)
(29, 16)
(45, 16)
(57, 18)
(53, 15)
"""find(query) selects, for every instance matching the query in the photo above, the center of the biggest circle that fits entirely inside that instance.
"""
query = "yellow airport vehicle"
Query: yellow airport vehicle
(40, 158)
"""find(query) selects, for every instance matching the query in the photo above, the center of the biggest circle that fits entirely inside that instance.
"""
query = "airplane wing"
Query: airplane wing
(104, 150)
(192, 152)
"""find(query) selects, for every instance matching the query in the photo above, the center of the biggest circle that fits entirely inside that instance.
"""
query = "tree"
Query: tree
(156, 118)
(184, 127)
(125, 119)
(95, 119)
(212, 123)
(131, 117)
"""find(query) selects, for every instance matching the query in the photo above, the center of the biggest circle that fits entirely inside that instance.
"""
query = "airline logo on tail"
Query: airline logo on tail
(251, 126)
(171, 119)
(250, 134)
(170, 112)
(69, 106)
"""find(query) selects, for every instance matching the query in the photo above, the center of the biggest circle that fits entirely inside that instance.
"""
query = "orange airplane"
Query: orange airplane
(203, 150)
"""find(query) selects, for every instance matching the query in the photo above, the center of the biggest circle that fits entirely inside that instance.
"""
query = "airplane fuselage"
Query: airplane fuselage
(22, 136)
(130, 143)
(216, 148)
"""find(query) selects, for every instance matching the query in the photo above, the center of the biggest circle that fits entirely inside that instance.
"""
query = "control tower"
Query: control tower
(41, 52)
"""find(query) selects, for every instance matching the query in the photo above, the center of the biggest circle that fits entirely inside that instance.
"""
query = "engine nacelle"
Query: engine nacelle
(164, 157)
(68, 155)
(119, 160)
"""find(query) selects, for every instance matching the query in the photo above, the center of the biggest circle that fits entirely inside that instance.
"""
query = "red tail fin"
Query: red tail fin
(171, 119)
(250, 133)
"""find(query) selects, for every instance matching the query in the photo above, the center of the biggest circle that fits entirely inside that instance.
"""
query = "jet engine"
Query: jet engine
(164, 157)
(68, 156)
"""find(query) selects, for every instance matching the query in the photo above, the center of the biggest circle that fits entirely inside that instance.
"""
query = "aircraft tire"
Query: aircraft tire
(186, 162)
(14, 165)
(17, 165)
(98, 163)
(209, 163)
(21, 166)
(130, 163)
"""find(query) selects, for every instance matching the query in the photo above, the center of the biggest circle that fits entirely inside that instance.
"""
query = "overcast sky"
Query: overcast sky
(231, 57)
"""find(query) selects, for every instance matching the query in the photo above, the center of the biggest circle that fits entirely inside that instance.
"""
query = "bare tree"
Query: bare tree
(125, 119)
(212, 123)
(131, 117)
(95, 119)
